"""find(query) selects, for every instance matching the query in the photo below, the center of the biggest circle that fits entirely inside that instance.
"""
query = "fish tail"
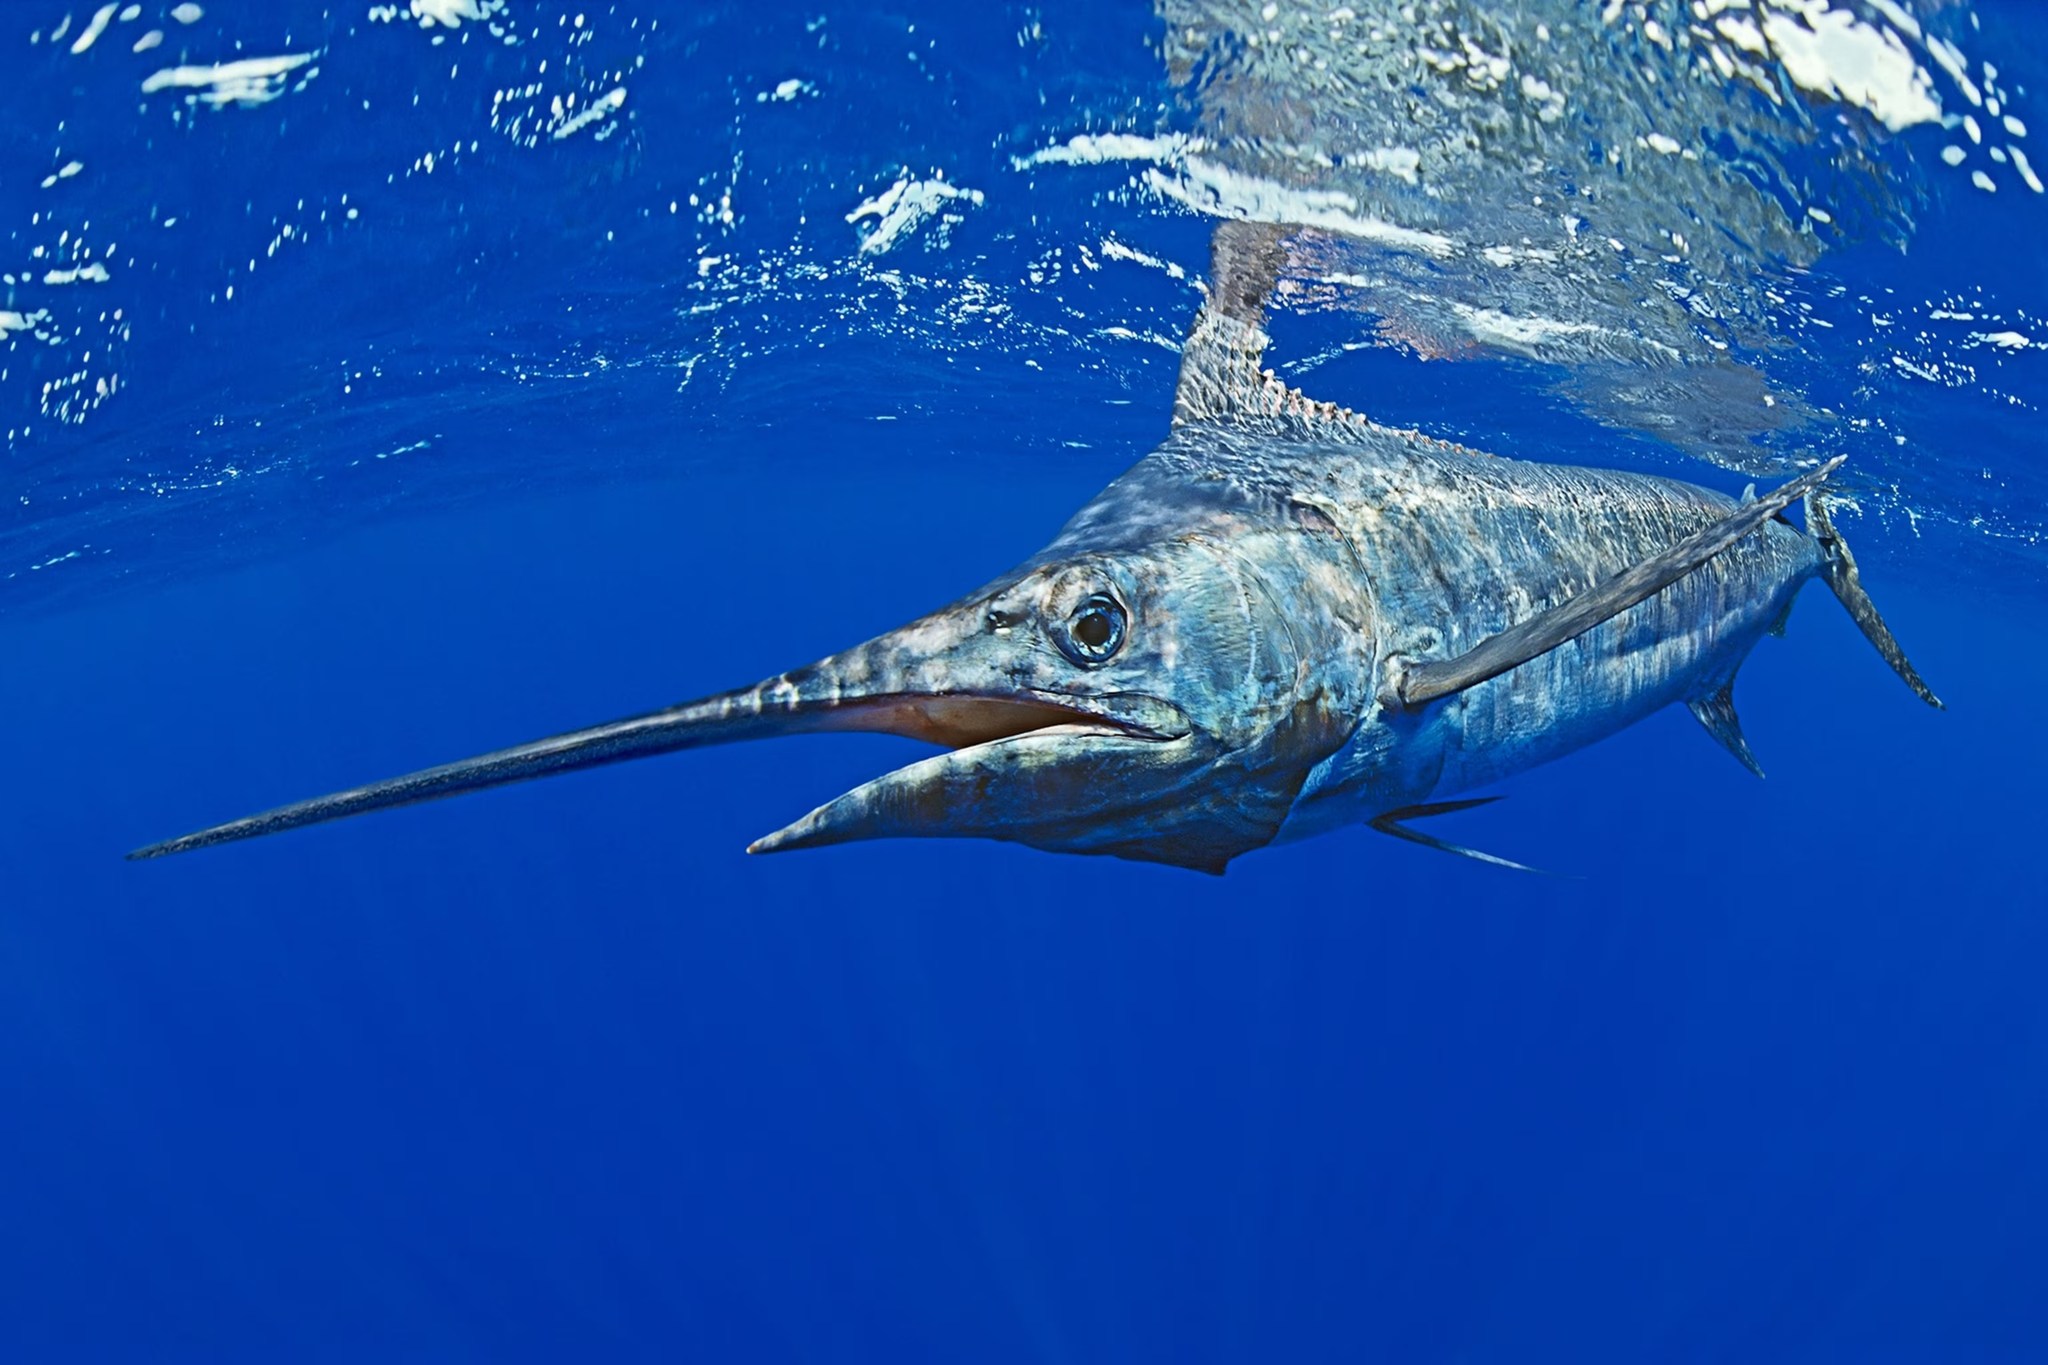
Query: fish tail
(1838, 566)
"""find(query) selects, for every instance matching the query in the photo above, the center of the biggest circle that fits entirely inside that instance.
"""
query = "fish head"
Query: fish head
(1146, 703)
(1143, 700)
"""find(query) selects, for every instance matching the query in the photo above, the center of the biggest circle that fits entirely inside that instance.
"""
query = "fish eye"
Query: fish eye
(1095, 631)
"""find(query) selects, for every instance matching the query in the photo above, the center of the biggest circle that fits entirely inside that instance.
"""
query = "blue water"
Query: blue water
(559, 1072)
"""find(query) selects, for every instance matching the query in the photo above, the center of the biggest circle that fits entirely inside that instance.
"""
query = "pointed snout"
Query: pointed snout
(926, 681)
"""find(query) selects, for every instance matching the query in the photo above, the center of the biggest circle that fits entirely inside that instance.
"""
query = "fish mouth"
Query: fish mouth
(965, 719)
(1016, 764)
(817, 699)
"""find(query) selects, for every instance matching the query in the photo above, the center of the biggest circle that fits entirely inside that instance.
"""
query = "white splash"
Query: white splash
(1830, 52)
(96, 272)
(448, 13)
(1093, 148)
(249, 82)
(903, 207)
(1118, 251)
(1403, 163)
(1528, 335)
(2019, 162)
(1178, 173)
(603, 107)
(786, 91)
(103, 16)
(1217, 190)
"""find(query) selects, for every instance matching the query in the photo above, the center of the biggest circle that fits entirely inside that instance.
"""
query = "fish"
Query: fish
(1288, 618)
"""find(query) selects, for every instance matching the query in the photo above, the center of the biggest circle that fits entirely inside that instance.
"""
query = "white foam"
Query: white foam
(94, 271)
(1117, 251)
(2011, 341)
(251, 81)
(2019, 163)
(101, 17)
(1217, 190)
(1214, 189)
(901, 208)
(1900, 19)
(786, 91)
(1949, 59)
(451, 13)
(1548, 99)
(1092, 148)
(11, 321)
(1523, 334)
(148, 40)
(188, 13)
(603, 107)
(1403, 163)
(1832, 53)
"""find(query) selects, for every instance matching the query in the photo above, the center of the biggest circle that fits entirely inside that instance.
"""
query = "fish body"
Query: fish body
(1372, 547)
(1285, 619)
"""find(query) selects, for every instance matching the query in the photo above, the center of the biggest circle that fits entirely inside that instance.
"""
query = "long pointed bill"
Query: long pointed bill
(886, 685)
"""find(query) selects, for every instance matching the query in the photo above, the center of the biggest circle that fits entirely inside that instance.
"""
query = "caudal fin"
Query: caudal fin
(1838, 566)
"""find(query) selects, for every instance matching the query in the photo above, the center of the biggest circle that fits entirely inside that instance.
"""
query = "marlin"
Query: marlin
(1286, 619)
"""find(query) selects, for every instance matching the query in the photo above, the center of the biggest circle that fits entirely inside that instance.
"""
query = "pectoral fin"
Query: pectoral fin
(1390, 823)
(1541, 633)
(1717, 713)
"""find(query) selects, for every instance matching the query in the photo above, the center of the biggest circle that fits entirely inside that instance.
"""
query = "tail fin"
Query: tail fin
(1839, 567)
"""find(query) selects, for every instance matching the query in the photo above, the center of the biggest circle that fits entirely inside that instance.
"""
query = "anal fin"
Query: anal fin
(1390, 822)
(1717, 713)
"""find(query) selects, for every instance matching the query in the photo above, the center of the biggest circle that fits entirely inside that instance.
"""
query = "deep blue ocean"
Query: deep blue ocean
(366, 409)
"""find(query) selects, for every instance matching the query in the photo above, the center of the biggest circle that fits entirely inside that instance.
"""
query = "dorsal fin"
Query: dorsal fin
(1717, 713)
(1220, 373)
